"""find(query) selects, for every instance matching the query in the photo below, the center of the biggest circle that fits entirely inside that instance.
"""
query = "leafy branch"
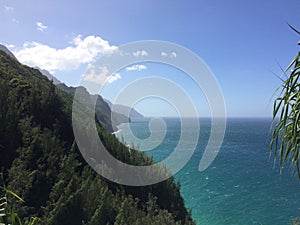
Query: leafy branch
(7, 214)
(286, 134)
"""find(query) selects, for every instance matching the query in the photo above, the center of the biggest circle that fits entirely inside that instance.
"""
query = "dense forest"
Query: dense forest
(41, 162)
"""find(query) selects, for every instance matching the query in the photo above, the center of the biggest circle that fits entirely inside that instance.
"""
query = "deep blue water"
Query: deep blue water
(241, 186)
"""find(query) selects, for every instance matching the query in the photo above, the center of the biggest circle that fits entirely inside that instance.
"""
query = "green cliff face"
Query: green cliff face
(41, 162)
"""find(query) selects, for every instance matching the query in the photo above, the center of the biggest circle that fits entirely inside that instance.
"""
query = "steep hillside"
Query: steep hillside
(41, 161)
(5, 49)
(102, 109)
(125, 110)
(109, 119)
(49, 76)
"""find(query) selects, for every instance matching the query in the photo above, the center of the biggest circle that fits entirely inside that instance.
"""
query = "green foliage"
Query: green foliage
(286, 134)
(41, 162)
(7, 214)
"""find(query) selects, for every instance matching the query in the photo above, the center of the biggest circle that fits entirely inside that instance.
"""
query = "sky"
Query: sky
(244, 43)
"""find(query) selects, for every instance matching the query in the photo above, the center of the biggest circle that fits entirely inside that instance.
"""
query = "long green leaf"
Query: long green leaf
(15, 195)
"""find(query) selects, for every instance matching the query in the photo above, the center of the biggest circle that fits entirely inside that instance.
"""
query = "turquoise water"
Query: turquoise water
(240, 186)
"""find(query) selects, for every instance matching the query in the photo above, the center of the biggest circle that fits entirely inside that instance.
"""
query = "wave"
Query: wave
(116, 132)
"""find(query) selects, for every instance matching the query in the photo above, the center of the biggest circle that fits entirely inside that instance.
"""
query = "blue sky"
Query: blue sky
(243, 42)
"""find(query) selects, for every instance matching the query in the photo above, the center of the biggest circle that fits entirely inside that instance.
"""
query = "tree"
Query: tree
(8, 216)
(41, 162)
(286, 133)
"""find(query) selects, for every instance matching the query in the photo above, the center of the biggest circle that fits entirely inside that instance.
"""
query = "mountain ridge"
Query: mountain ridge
(109, 119)
(41, 161)
(125, 110)
(106, 117)
(7, 51)
(49, 75)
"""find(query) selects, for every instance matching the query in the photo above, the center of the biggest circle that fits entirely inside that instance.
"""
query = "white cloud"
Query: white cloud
(81, 51)
(100, 75)
(164, 54)
(40, 26)
(173, 55)
(14, 20)
(11, 46)
(140, 53)
(138, 67)
(114, 77)
(8, 8)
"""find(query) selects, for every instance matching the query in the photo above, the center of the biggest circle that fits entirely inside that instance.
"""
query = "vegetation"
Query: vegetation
(286, 134)
(7, 215)
(102, 109)
(41, 162)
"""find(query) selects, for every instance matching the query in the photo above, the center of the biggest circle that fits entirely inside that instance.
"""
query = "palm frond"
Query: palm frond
(286, 133)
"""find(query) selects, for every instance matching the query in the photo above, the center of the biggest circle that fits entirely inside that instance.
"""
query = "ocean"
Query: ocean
(241, 186)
